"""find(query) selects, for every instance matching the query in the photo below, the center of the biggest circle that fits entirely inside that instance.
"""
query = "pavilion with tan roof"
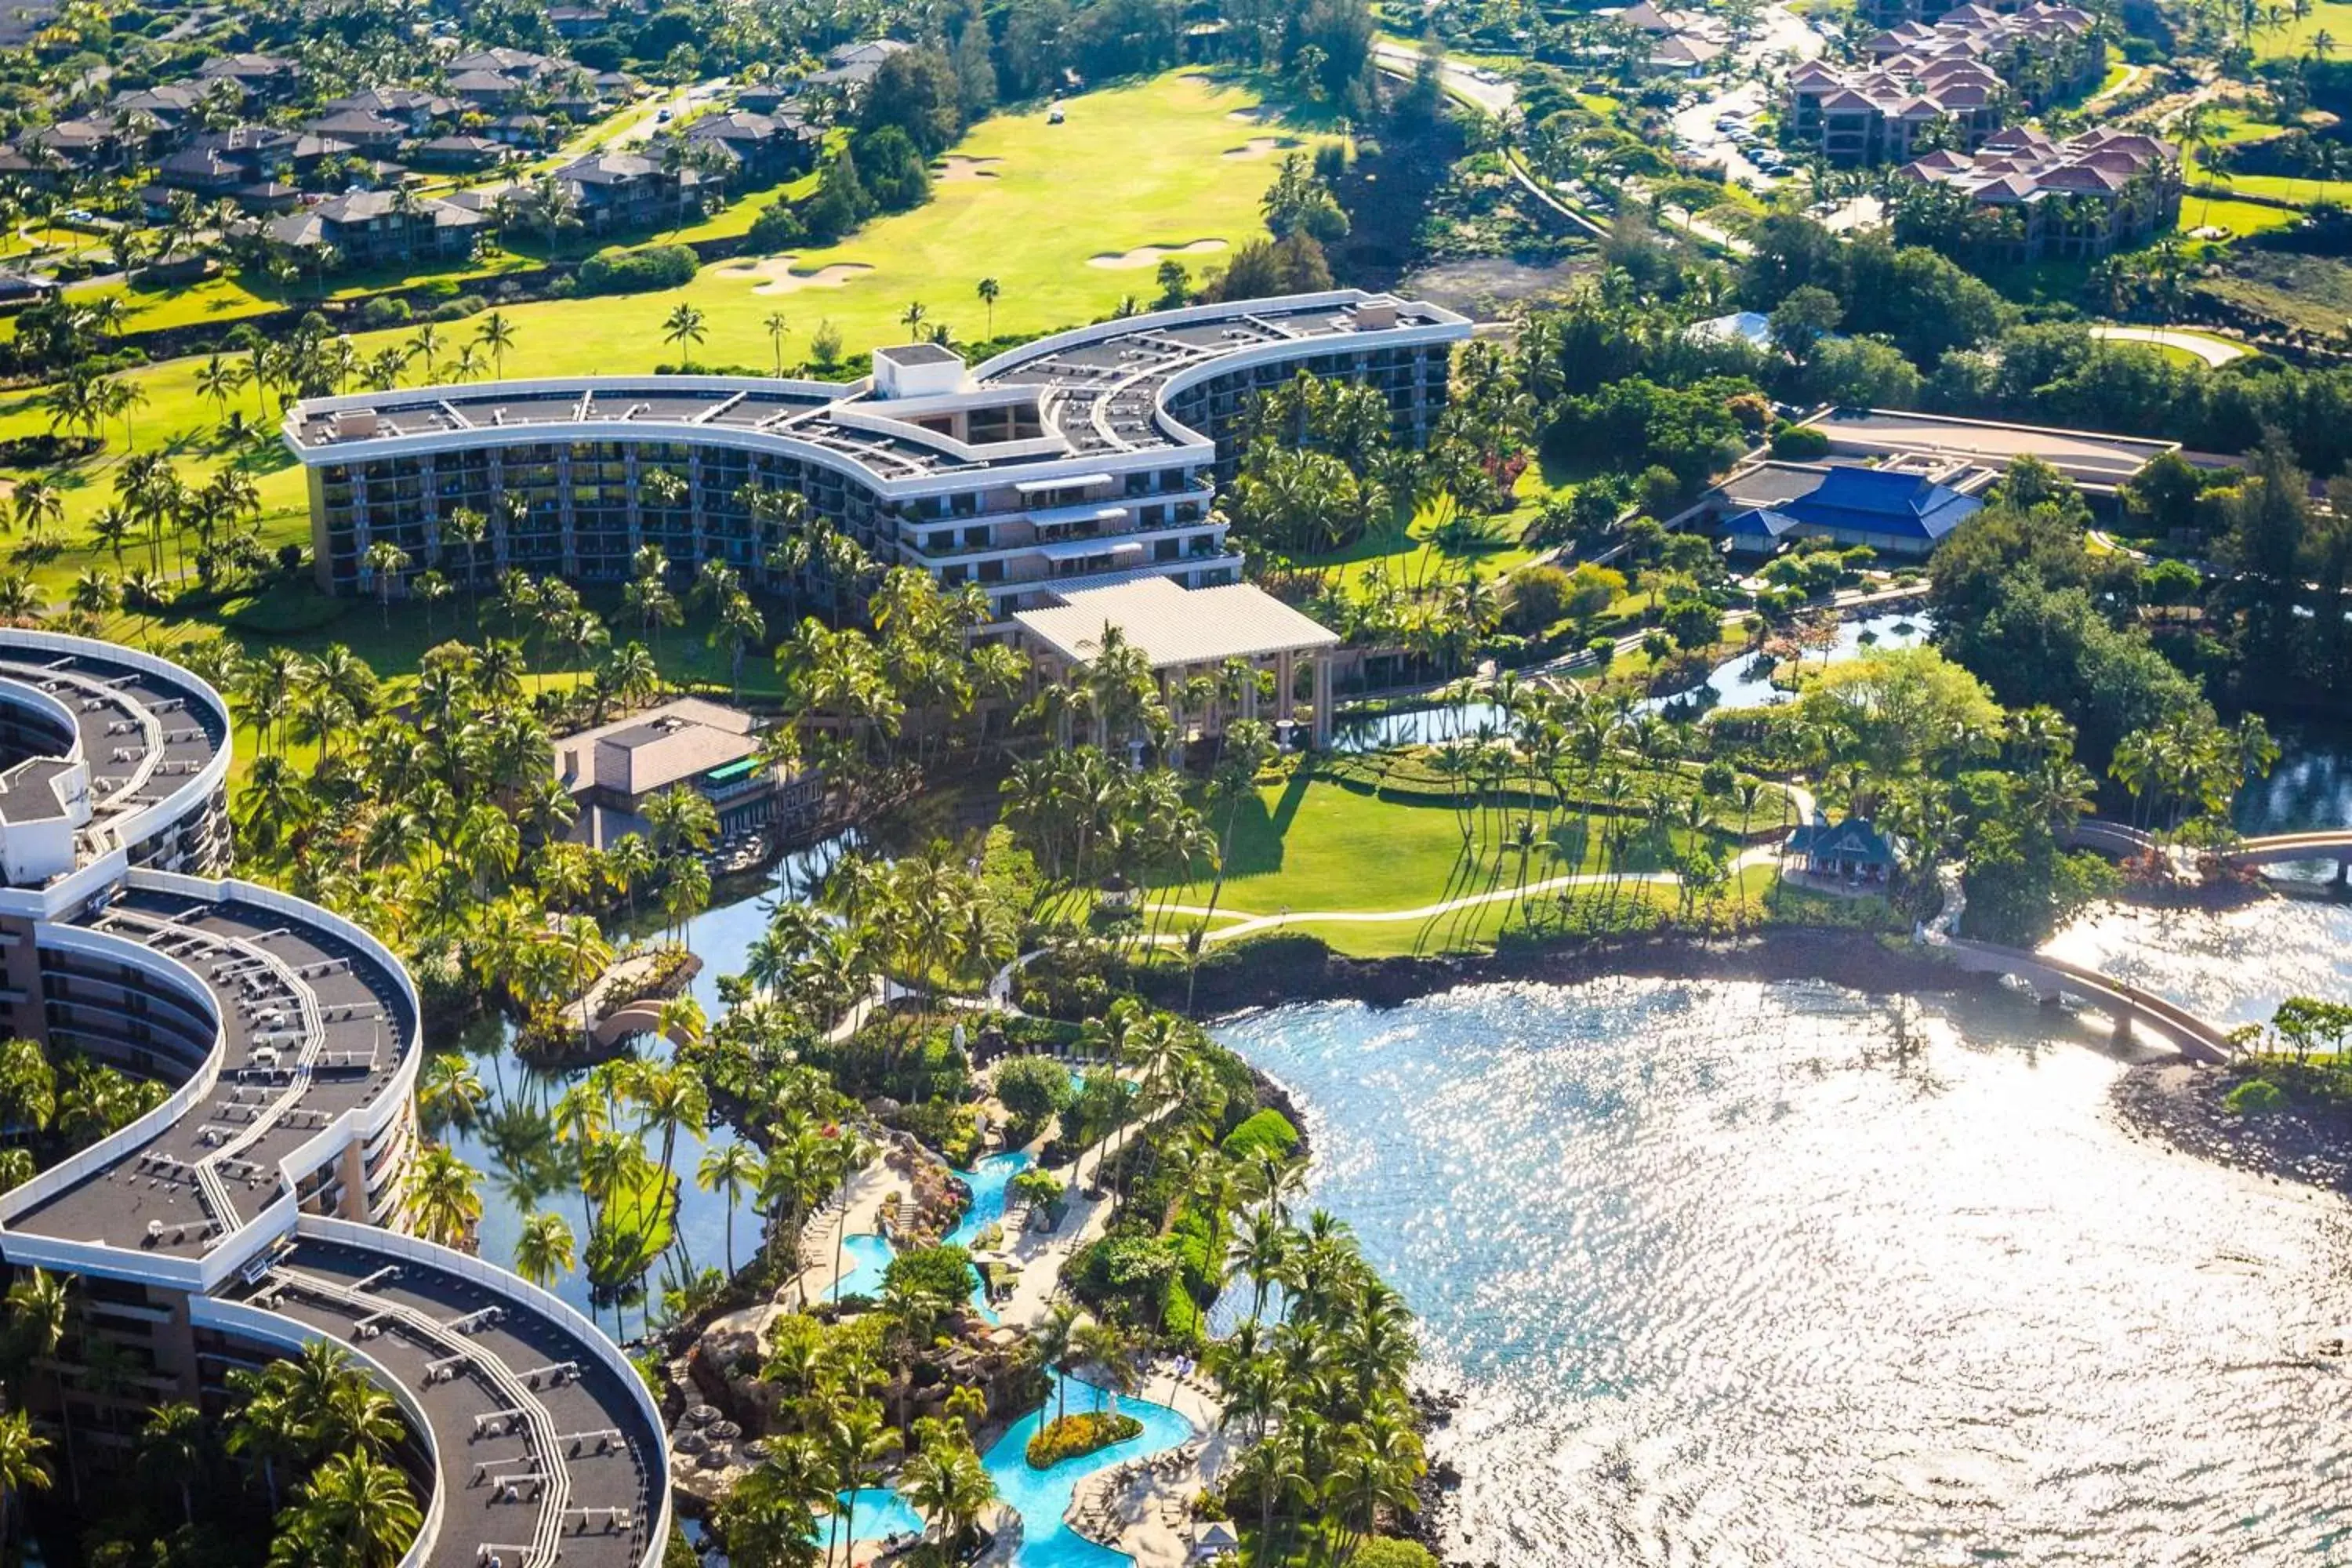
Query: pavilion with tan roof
(1186, 632)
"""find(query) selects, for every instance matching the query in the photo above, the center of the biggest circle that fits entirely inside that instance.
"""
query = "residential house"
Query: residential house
(460, 153)
(365, 133)
(372, 228)
(406, 106)
(618, 191)
(2078, 199)
(852, 66)
(762, 150)
(267, 75)
(518, 130)
(93, 142)
(487, 90)
(172, 105)
(1853, 850)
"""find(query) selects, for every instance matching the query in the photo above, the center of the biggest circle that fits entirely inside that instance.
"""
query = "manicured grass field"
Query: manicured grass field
(1133, 165)
(2292, 41)
(2239, 217)
(1312, 844)
(1475, 929)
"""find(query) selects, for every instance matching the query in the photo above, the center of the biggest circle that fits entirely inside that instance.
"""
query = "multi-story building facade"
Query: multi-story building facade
(247, 1214)
(1088, 458)
(1949, 85)
(2079, 199)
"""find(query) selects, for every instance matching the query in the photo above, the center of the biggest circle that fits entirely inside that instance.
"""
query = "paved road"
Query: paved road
(1472, 84)
(2215, 352)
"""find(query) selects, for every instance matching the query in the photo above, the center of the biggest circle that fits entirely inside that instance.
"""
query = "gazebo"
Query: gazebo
(1183, 632)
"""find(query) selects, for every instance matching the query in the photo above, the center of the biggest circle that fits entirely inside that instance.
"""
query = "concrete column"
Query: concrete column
(1322, 658)
(1283, 671)
(1249, 693)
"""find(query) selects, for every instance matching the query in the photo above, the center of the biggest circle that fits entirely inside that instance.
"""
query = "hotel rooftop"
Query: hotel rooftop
(1093, 392)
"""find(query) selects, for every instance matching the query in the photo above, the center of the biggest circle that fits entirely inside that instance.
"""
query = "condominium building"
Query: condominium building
(1088, 458)
(1953, 83)
(250, 1213)
(2081, 198)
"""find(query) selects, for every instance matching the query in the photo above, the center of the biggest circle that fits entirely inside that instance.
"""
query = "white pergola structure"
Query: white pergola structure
(1184, 632)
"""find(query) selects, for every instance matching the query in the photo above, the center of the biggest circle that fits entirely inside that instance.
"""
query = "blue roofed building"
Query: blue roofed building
(1853, 850)
(1757, 531)
(1890, 511)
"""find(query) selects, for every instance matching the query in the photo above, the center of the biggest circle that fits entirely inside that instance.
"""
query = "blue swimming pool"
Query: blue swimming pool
(1040, 1497)
(865, 1260)
(988, 1181)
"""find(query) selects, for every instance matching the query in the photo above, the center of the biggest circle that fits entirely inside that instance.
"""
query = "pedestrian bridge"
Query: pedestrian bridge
(2285, 849)
(2129, 1006)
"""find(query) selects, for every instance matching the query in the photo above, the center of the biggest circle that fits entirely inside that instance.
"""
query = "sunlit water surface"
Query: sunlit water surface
(1721, 1279)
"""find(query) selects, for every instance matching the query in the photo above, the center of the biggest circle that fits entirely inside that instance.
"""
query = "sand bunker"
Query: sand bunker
(955, 169)
(1259, 146)
(783, 279)
(1152, 255)
(1257, 116)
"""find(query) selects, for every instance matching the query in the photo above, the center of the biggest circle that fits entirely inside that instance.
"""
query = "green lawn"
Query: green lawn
(2240, 218)
(1315, 845)
(1473, 929)
(2292, 41)
(1133, 165)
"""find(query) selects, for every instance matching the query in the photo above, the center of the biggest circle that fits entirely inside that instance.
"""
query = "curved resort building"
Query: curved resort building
(252, 1210)
(1084, 460)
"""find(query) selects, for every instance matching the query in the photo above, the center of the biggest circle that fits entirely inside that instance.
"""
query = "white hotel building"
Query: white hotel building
(1084, 460)
(250, 1212)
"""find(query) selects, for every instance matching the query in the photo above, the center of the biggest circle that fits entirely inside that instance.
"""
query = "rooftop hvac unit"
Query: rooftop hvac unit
(355, 424)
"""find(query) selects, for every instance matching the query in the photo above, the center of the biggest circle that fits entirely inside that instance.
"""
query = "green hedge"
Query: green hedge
(1268, 1131)
(614, 270)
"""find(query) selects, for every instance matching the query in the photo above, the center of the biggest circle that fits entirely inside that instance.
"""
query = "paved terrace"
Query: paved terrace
(141, 733)
(544, 1455)
(1098, 388)
(312, 1028)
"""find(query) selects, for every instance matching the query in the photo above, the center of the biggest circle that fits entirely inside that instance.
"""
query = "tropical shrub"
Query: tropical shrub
(1079, 1433)
(615, 270)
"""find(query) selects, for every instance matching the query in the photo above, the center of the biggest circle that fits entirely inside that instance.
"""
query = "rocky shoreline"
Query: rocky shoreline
(1848, 958)
(2181, 1105)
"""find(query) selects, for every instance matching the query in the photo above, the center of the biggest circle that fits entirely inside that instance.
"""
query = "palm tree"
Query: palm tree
(449, 1093)
(911, 318)
(775, 326)
(684, 327)
(1056, 1341)
(386, 562)
(497, 334)
(544, 1249)
(858, 1441)
(24, 1467)
(36, 1315)
(445, 1199)
(988, 290)
(355, 1510)
(730, 1170)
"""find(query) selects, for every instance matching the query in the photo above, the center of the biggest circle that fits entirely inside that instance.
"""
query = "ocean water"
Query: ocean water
(1724, 1273)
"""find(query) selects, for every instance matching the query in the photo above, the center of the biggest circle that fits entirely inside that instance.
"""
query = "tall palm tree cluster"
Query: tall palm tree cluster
(1317, 1389)
(929, 920)
(305, 1464)
(440, 824)
(1564, 776)
(54, 1102)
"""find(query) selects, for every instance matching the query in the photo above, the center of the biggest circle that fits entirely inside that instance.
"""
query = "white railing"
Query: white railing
(249, 1322)
(595, 1345)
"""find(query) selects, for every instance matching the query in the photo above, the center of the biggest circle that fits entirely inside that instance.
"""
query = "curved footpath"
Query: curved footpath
(245, 1215)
